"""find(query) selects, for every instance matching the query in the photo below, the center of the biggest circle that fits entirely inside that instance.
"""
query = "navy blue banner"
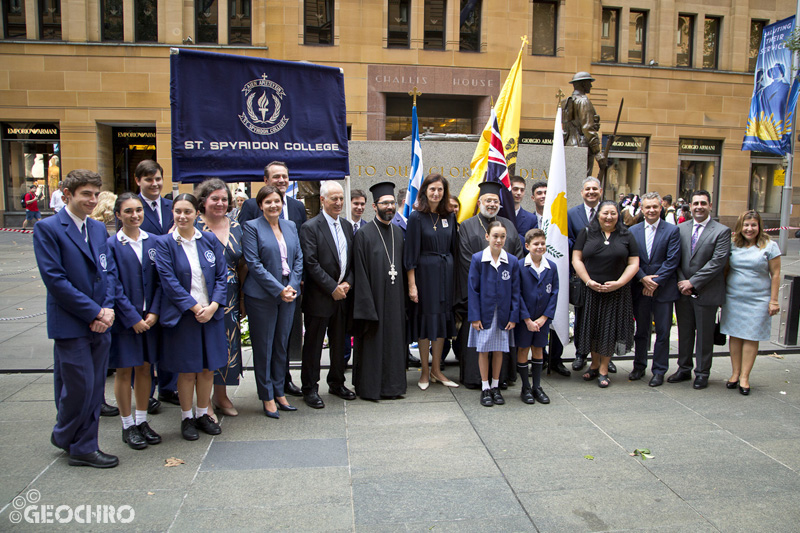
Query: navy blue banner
(231, 115)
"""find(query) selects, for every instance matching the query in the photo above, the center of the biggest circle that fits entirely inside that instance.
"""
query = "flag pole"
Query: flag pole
(786, 199)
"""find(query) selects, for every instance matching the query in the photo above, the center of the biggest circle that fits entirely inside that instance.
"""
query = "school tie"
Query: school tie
(695, 235)
(341, 244)
(84, 234)
(355, 228)
(157, 212)
(591, 214)
(651, 234)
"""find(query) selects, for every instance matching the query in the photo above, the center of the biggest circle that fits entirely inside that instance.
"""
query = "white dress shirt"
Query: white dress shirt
(198, 290)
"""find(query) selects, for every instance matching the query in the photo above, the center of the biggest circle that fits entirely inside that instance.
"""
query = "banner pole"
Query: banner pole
(786, 199)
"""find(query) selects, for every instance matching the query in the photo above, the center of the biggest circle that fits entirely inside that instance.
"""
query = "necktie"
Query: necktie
(155, 209)
(281, 215)
(84, 234)
(355, 227)
(341, 243)
(651, 234)
(591, 214)
(695, 235)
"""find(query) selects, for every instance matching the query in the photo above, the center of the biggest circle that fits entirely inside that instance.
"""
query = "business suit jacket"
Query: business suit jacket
(705, 266)
(176, 276)
(135, 284)
(490, 287)
(150, 223)
(576, 221)
(525, 221)
(295, 208)
(664, 260)
(321, 268)
(263, 257)
(75, 273)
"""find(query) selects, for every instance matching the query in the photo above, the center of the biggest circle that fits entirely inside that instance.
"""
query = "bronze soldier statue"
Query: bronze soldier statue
(581, 123)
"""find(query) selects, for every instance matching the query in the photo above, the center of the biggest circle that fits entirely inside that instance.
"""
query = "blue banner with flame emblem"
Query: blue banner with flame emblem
(231, 115)
(769, 125)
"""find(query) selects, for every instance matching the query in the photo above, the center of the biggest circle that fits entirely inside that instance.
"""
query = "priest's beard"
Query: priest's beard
(386, 213)
(487, 212)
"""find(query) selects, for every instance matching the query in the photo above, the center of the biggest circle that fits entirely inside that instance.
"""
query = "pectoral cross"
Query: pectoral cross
(414, 93)
(392, 272)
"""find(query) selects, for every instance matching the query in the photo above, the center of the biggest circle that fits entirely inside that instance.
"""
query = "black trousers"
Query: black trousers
(316, 327)
(696, 325)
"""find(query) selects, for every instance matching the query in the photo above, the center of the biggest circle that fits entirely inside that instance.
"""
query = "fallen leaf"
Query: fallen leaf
(644, 453)
(590, 457)
(776, 356)
(150, 493)
(20, 308)
(174, 461)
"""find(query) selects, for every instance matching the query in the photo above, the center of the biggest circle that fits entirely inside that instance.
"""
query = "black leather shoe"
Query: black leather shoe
(189, 429)
(540, 396)
(292, 390)
(636, 374)
(134, 438)
(731, 384)
(96, 459)
(153, 406)
(527, 396)
(342, 392)
(612, 368)
(679, 376)
(149, 435)
(744, 391)
(486, 398)
(657, 380)
(169, 396)
(287, 407)
(561, 370)
(108, 410)
(313, 400)
(413, 361)
(497, 398)
(700, 382)
(579, 362)
(207, 425)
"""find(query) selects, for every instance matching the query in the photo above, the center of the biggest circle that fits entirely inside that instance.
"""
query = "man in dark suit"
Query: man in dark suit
(149, 176)
(525, 219)
(578, 218)
(327, 243)
(655, 287)
(705, 247)
(277, 174)
(72, 256)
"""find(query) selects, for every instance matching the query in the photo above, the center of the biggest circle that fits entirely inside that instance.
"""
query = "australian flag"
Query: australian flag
(497, 170)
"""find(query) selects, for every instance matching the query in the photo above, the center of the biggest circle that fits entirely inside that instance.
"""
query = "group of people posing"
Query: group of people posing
(168, 290)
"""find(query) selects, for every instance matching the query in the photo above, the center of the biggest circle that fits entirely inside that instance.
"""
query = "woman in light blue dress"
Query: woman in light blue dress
(751, 299)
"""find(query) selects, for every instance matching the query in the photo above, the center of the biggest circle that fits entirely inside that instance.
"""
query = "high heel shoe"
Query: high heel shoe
(744, 391)
(446, 382)
(731, 384)
(227, 411)
(424, 386)
(272, 414)
(285, 407)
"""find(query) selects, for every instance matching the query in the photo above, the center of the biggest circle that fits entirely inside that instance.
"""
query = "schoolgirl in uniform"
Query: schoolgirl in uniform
(537, 307)
(137, 303)
(493, 308)
(193, 273)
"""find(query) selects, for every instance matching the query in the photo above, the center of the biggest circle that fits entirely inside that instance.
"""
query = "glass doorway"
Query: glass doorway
(131, 146)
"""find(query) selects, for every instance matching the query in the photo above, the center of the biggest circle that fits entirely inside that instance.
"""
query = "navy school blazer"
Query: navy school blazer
(135, 284)
(539, 292)
(150, 223)
(176, 276)
(74, 273)
(488, 288)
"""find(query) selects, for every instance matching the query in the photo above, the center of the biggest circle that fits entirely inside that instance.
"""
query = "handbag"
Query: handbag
(719, 338)
(577, 291)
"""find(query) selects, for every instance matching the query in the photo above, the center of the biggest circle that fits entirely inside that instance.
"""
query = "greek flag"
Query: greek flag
(291, 191)
(415, 177)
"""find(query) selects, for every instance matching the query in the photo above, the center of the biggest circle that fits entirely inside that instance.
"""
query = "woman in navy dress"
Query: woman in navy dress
(194, 281)
(275, 266)
(431, 243)
(137, 303)
(215, 201)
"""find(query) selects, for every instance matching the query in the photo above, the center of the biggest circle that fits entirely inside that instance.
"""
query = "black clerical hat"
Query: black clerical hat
(383, 188)
(490, 187)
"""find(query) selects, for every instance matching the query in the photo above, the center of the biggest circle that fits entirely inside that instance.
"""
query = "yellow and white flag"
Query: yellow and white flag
(508, 108)
(554, 224)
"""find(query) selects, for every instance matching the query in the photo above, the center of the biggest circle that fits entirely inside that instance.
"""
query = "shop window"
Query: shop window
(30, 157)
(609, 35)
(756, 32)
(435, 11)
(470, 26)
(50, 20)
(14, 19)
(698, 168)
(398, 25)
(111, 20)
(435, 115)
(545, 22)
(319, 21)
(685, 41)
(239, 22)
(766, 184)
(637, 36)
(131, 146)
(711, 32)
(146, 21)
(206, 22)
(627, 167)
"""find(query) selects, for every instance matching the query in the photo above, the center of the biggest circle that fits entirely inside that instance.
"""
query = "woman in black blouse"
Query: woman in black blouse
(606, 258)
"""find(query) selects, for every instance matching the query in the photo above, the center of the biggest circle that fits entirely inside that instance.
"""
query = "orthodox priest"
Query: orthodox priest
(379, 305)
(472, 239)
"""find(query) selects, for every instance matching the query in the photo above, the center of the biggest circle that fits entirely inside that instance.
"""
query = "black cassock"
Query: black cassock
(472, 239)
(379, 313)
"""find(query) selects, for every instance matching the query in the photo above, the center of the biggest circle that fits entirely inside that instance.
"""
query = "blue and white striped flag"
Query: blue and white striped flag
(415, 177)
(291, 190)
